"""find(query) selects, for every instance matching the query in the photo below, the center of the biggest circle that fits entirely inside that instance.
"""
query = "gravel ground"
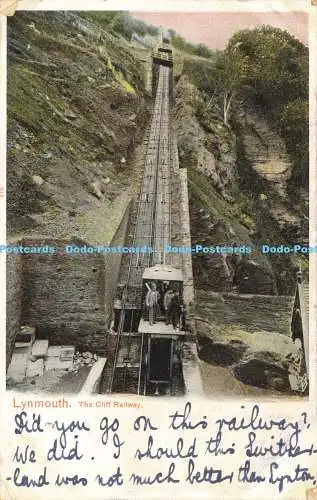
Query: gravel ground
(54, 381)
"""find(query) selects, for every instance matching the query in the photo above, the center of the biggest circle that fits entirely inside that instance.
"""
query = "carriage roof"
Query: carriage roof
(163, 272)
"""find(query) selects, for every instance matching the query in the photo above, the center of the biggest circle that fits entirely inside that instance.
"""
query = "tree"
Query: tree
(203, 51)
(277, 65)
(277, 78)
(295, 130)
(230, 70)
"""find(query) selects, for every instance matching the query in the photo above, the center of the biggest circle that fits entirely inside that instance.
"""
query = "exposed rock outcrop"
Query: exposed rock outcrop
(250, 334)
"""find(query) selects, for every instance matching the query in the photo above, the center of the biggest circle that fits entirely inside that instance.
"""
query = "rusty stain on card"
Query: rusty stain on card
(311, 494)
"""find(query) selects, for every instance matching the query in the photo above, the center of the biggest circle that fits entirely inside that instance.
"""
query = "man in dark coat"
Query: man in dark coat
(175, 308)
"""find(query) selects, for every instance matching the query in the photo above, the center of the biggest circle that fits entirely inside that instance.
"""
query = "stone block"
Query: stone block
(17, 367)
(67, 353)
(35, 368)
(40, 348)
(54, 363)
(54, 351)
(59, 357)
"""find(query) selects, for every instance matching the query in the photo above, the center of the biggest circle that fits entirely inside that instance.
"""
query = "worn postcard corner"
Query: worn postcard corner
(8, 7)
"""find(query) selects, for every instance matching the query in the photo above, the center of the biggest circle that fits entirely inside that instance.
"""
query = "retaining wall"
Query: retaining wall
(68, 298)
(13, 301)
(63, 295)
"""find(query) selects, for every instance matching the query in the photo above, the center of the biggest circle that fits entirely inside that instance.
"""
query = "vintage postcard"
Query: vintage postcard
(158, 247)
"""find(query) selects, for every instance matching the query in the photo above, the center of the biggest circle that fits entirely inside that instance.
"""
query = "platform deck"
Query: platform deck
(159, 328)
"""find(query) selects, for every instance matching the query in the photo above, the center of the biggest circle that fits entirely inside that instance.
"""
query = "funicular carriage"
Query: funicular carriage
(162, 341)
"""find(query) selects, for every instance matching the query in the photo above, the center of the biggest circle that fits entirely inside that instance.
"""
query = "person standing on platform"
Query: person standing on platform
(167, 306)
(151, 301)
(183, 315)
(175, 307)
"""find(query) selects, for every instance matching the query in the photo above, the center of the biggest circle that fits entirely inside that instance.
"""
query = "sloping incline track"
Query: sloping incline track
(152, 229)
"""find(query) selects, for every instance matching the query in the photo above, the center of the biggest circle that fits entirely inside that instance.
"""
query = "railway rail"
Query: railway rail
(152, 229)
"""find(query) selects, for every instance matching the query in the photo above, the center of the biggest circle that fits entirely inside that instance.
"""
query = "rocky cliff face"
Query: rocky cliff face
(204, 144)
(238, 194)
(263, 150)
(208, 149)
(76, 112)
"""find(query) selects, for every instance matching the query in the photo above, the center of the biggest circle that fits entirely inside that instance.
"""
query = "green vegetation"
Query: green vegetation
(75, 103)
(276, 64)
(120, 79)
(270, 67)
(200, 50)
(126, 25)
(104, 19)
(275, 74)
(229, 74)
(295, 130)
(202, 189)
(120, 22)
(200, 74)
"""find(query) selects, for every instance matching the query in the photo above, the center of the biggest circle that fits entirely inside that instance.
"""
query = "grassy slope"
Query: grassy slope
(71, 118)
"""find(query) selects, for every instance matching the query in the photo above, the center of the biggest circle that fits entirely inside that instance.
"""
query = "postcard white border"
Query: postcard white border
(192, 6)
